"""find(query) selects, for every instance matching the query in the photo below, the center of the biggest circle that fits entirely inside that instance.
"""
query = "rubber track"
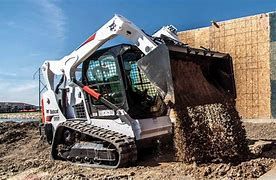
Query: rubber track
(125, 145)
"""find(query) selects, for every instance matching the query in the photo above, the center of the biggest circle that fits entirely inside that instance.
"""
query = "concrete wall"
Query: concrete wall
(251, 43)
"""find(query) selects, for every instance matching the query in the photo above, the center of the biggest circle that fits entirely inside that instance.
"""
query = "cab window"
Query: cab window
(103, 75)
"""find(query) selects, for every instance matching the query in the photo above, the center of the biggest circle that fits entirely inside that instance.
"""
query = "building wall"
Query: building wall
(248, 41)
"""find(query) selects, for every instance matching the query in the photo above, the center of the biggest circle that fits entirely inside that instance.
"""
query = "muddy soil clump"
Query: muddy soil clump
(208, 127)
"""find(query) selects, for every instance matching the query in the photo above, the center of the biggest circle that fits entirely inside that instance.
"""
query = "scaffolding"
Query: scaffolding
(41, 85)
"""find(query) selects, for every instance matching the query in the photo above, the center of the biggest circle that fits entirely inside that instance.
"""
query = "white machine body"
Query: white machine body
(68, 67)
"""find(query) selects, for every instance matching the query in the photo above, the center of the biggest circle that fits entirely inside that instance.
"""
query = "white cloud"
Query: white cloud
(7, 74)
(49, 21)
(52, 20)
(24, 88)
(11, 23)
(54, 16)
(22, 91)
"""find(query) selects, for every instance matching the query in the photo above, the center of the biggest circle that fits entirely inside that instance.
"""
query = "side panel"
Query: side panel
(115, 125)
(52, 113)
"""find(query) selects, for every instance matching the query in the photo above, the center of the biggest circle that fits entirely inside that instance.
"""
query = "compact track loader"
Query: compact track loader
(102, 106)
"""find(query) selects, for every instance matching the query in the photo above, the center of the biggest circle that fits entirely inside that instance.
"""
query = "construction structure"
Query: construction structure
(251, 41)
(7, 107)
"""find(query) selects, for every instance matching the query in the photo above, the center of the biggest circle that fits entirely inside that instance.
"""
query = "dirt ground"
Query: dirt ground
(24, 156)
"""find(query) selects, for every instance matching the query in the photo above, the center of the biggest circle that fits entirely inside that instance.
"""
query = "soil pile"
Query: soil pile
(208, 127)
(18, 131)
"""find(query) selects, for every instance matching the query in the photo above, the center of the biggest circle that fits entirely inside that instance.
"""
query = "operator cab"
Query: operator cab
(113, 72)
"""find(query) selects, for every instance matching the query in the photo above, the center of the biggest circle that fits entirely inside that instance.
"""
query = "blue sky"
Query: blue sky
(32, 31)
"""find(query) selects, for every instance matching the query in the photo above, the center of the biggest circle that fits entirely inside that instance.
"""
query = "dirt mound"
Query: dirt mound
(10, 137)
(18, 133)
(208, 127)
(6, 126)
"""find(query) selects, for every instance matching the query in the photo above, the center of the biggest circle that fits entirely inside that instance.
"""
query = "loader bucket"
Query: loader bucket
(201, 86)
(201, 76)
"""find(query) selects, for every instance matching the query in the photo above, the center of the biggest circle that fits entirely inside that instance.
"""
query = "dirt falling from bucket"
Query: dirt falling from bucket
(208, 127)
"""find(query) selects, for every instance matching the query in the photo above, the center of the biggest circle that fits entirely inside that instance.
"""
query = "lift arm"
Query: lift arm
(118, 25)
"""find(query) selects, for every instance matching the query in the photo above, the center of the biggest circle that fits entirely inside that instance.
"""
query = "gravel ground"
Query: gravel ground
(21, 115)
(24, 156)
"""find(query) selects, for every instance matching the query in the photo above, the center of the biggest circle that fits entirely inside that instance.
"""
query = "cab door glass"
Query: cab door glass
(103, 75)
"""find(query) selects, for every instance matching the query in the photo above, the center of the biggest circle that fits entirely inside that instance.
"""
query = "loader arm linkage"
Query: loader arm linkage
(118, 25)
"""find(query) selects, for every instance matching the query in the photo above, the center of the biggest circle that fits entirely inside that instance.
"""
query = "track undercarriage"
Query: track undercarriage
(85, 144)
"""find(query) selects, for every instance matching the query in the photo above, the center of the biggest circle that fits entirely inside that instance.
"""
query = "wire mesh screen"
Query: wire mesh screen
(103, 70)
(140, 81)
(103, 76)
